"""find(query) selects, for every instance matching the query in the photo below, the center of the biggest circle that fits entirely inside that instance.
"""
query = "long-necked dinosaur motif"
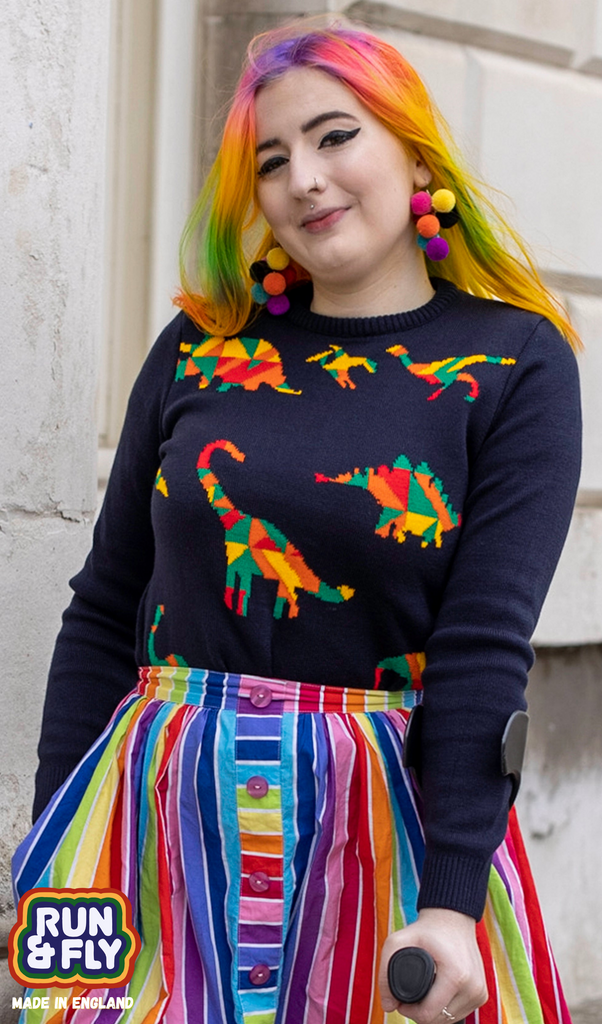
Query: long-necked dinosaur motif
(338, 363)
(412, 500)
(255, 547)
(239, 362)
(408, 666)
(444, 372)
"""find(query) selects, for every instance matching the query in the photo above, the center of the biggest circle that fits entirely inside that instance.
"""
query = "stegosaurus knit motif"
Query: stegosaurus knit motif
(172, 659)
(255, 547)
(239, 362)
(338, 363)
(408, 666)
(412, 500)
(445, 372)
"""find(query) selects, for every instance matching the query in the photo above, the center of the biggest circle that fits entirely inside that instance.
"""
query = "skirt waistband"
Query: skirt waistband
(229, 691)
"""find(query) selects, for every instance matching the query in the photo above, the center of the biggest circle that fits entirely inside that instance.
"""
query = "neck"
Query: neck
(397, 291)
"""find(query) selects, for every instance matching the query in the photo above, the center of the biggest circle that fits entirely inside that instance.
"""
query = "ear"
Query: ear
(422, 175)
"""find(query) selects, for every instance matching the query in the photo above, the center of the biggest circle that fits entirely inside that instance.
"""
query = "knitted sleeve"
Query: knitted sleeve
(93, 666)
(515, 520)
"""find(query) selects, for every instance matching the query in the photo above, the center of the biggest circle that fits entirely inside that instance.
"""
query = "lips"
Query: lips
(321, 220)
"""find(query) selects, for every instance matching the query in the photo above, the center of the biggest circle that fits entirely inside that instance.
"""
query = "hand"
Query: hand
(460, 984)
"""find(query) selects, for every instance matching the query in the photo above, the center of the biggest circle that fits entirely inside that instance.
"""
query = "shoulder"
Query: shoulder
(528, 338)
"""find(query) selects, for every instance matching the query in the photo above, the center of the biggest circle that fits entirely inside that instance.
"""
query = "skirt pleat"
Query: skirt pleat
(268, 846)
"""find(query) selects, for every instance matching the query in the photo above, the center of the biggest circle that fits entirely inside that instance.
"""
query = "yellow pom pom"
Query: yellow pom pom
(443, 200)
(278, 259)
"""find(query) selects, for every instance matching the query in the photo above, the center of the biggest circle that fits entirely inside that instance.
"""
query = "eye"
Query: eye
(270, 165)
(338, 137)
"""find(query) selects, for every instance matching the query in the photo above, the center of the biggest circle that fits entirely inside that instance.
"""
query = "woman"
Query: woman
(366, 487)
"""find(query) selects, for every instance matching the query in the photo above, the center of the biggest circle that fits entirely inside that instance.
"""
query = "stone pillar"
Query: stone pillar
(53, 80)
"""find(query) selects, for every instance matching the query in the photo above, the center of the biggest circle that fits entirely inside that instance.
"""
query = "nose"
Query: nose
(304, 179)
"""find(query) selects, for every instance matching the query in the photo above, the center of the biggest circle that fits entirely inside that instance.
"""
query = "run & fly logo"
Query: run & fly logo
(69, 937)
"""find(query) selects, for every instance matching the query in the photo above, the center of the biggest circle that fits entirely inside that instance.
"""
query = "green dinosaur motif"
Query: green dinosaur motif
(255, 547)
(408, 666)
(175, 660)
(444, 372)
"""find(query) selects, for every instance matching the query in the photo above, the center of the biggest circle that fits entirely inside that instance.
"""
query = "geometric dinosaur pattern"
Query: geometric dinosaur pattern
(161, 483)
(255, 547)
(172, 659)
(412, 500)
(238, 362)
(408, 666)
(338, 363)
(444, 372)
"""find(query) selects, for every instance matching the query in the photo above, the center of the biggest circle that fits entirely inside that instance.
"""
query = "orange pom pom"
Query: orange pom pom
(428, 226)
(274, 283)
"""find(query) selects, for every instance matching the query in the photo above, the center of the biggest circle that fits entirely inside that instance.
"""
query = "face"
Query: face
(333, 183)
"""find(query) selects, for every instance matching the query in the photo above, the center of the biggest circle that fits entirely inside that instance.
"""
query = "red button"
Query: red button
(257, 786)
(259, 881)
(259, 974)
(261, 696)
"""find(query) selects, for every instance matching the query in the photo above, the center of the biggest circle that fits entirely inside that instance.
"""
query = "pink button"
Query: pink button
(259, 881)
(261, 696)
(259, 974)
(257, 786)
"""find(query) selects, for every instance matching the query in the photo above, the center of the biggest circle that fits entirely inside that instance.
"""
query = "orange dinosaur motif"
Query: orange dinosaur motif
(412, 500)
(255, 547)
(338, 363)
(238, 362)
(444, 372)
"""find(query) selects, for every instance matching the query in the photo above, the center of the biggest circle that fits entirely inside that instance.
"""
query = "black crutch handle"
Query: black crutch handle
(410, 973)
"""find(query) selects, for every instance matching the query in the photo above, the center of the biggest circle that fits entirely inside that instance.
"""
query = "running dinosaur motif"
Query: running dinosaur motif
(172, 659)
(444, 372)
(338, 363)
(412, 500)
(238, 362)
(255, 547)
(408, 666)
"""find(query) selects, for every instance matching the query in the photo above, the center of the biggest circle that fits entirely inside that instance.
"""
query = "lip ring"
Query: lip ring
(321, 214)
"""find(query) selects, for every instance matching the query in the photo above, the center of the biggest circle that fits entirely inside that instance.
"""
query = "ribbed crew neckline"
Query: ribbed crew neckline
(366, 326)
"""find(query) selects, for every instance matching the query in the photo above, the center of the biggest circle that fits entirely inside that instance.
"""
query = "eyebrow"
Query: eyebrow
(314, 122)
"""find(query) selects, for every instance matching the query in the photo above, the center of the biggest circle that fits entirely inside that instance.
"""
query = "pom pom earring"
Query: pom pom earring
(272, 276)
(433, 213)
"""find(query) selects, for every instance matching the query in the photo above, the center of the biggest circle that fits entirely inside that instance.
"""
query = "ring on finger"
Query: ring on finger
(447, 1014)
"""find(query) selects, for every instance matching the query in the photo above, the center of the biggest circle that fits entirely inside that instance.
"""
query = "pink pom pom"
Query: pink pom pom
(437, 249)
(278, 304)
(420, 203)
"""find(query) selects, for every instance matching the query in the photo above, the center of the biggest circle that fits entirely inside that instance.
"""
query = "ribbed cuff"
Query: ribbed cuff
(454, 882)
(49, 777)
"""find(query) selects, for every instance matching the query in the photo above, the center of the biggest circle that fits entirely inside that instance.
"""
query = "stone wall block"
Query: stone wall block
(572, 613)
(560, 810)
(586, 313)
(546, 30)
(52, 70)
(38, 554)
(589, 57)
(547, 159)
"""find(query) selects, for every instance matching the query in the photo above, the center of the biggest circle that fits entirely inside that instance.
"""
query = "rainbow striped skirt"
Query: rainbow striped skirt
(268, 839)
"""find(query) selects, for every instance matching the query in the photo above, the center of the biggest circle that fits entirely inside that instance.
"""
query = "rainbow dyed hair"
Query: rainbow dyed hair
(226, 231)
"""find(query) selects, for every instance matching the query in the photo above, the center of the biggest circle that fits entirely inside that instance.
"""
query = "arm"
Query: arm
(93, 666)
(515, 520)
